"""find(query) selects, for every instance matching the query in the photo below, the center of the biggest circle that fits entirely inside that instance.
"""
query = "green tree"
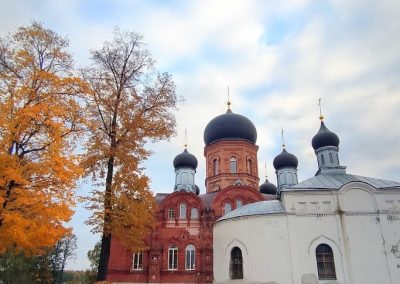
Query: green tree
(16, 267)
(94, 256)
(130, 104)
(58, 256)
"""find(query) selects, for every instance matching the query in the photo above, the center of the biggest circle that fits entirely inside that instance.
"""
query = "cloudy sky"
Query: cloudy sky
(278, 58)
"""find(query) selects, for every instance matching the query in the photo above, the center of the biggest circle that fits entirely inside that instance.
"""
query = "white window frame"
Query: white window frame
(190, 257)
(182, 211)
(226, 205)
(233, 165)
(215, 167)
(194, 213)
(171, 213)
(172, 257)
(137, 261)
(250, 166)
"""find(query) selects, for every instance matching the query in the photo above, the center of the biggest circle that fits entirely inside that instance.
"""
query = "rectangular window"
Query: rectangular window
(171, 213)
(227, 208)
(173, 258)
(182, 211)
(137, 261)
(215, 167)
(190, 258)
(232, 166)
(194, 214)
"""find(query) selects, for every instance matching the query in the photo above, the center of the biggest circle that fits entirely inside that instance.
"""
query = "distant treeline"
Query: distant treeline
(79, 276)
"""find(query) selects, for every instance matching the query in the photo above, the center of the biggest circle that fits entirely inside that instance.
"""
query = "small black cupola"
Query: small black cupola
(267, 188)
(285, 160)
(185, 160)
(324, 137)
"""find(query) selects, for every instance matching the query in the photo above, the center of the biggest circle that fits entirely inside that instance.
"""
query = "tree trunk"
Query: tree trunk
(8, 187)
(104, 256)
(6, 198)
(106, 238)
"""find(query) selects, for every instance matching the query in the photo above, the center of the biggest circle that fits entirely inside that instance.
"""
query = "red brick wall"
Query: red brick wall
(222, 151)
(180, 233)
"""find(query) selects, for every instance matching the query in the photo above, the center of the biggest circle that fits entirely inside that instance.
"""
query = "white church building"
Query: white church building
(332, 228)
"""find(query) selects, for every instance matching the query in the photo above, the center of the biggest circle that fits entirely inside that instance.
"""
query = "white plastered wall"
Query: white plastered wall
(362, 226)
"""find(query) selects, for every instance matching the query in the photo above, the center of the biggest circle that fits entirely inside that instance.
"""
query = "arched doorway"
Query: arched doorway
(236, 265)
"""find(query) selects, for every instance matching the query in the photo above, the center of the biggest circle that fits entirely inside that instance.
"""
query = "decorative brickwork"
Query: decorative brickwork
(218, 167)
(180, 232)
(185, 220)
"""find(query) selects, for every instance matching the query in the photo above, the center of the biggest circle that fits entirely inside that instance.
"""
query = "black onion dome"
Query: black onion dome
(285, 160)
(324, 137)
(268, 188)
(185, 159)
(230, 126)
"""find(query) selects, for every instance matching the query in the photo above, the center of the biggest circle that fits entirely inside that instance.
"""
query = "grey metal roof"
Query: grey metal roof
(257, 208)
(208, 198)
(331, 182)
(161, 196)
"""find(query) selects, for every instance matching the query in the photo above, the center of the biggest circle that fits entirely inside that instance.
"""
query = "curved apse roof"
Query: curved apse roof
(257, 208)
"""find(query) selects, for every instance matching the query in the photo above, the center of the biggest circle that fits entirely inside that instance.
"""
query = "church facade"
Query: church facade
(181, 246)
(334, 227)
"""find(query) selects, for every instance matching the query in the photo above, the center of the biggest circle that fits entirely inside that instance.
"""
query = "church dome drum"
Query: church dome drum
(230, 126)
(185, 159)
(285, 160)
(324, 137)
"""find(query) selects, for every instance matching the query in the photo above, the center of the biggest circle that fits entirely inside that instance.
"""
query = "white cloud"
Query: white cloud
(347, 52)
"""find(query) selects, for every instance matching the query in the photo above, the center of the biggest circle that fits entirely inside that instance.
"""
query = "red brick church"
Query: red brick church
(180, 248)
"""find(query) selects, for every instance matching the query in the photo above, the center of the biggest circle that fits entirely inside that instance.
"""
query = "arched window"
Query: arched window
(337, 158)
(281, 179)
(137, 261)
(249, 166)
(289, 178)
(194, 213)
(325, 262)
(171, 213)
(330, 158)
(215, 167)
(172, 257)
(236, 264)
(227, 208)
(184, 178)
(322, 159)
(239, 203)
(190, 257)
(233, 165)
(182, 211)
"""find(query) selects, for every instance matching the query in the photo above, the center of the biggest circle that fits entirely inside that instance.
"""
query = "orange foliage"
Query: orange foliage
(39, 123)
(129, 105)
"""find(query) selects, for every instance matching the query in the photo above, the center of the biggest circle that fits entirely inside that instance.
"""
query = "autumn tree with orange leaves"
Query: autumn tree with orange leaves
(130, 104)
(39, 123)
